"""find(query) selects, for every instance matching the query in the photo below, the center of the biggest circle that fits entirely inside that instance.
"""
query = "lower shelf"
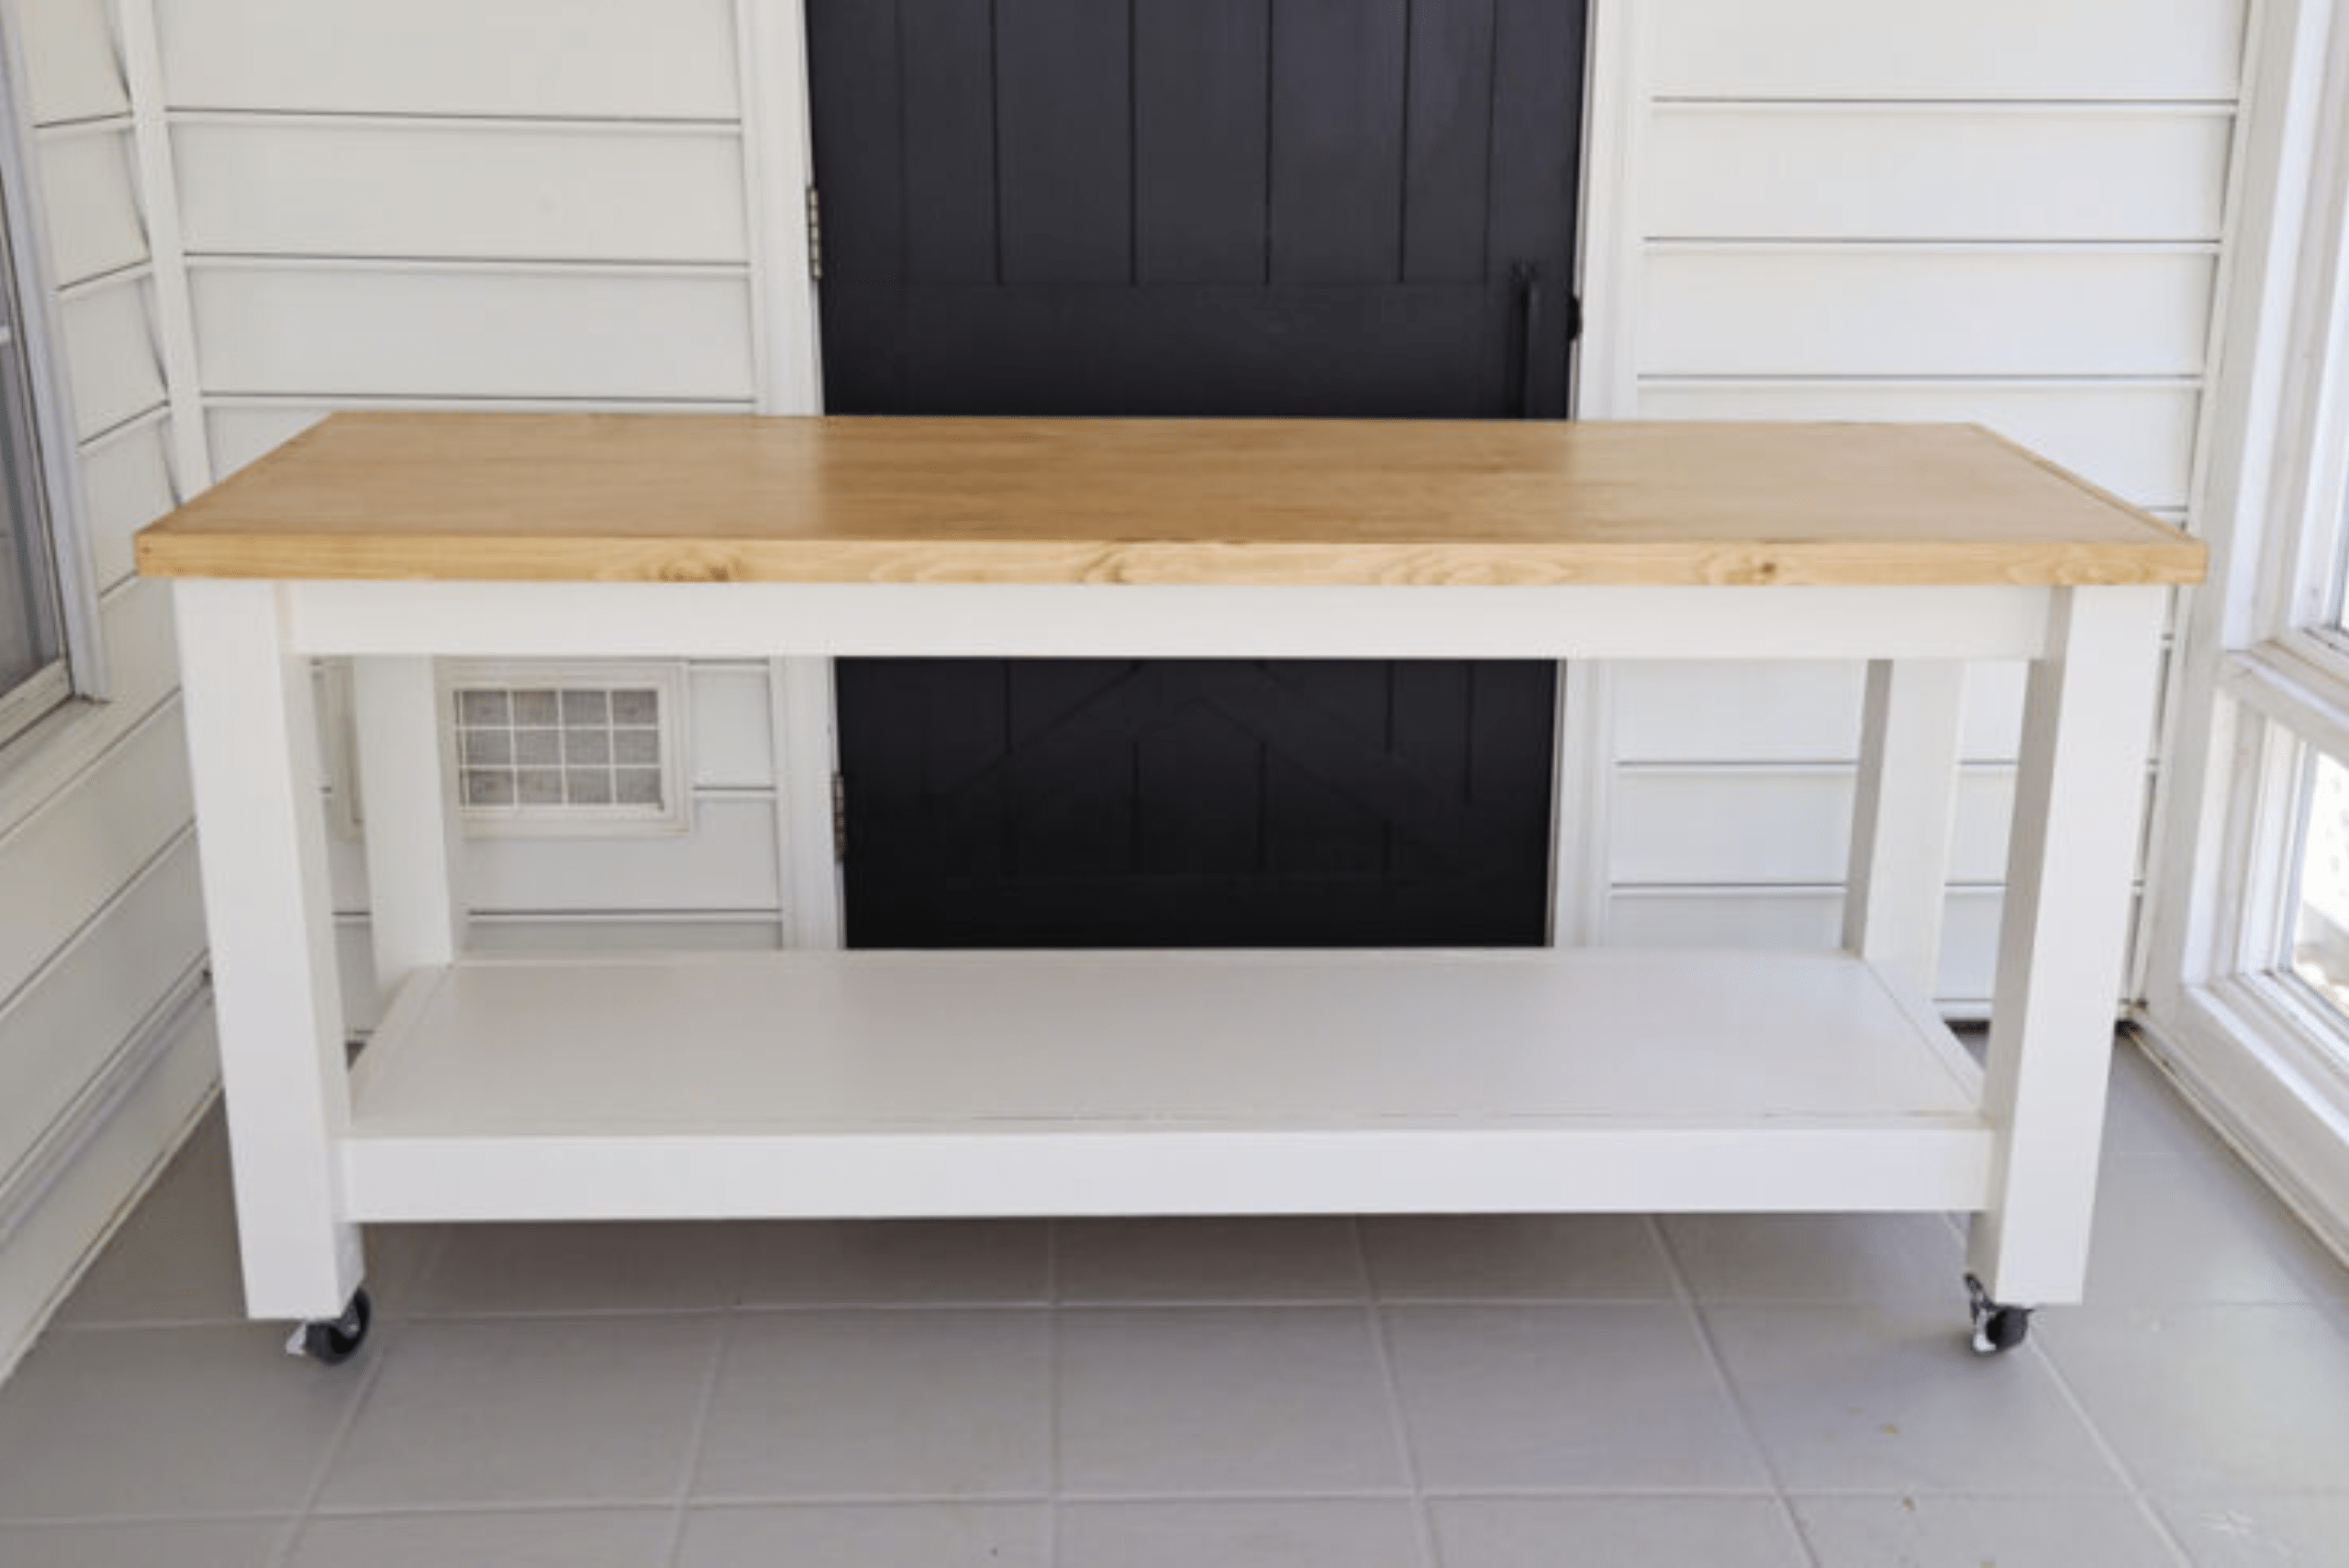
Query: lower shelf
(877, 1083)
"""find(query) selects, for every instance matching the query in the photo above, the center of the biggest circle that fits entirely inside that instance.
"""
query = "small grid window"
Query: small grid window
(538, 746)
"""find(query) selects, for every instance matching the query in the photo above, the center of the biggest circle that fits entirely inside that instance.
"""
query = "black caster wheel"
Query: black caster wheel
(1997, 1328)
(336, 1341)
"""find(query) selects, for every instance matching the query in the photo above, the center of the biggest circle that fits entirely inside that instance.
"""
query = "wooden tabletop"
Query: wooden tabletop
(741, 498)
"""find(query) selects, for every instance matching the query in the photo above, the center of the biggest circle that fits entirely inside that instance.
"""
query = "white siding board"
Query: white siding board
(1709, 826)
(468, 191)
(126, 484)
(90, 203)
(726, 863)
(458, 332)
(70, 69)
(81, 847)
(1983, 48)
(1804, 918)
(622, 58)
(1698, 711)
(2134, 439)
(1899, 311)
(57, 1034)
(732, 726)
(239, 433)
(110, 355)
(1811, 172)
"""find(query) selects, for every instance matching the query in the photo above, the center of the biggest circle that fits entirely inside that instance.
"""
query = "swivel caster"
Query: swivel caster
(1996, 1327)
(335, 1340)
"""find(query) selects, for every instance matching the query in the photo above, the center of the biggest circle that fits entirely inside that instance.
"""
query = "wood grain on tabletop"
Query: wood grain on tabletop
(742, 497)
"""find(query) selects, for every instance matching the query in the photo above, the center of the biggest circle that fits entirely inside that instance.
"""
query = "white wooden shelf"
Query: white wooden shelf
(933, 1083)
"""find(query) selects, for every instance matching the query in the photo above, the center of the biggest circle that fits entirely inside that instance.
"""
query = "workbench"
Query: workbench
(951, 1084)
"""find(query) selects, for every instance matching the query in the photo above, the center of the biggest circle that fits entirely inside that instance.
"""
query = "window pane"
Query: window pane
(30, 640)
(2321, 929)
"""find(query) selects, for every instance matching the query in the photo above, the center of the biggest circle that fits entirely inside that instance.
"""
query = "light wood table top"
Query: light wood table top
(743, 499)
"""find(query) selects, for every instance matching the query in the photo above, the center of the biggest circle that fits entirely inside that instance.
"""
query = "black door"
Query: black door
(1333, 207)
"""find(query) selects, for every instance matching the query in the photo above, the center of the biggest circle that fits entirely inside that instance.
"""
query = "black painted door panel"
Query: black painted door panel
(1323, 207)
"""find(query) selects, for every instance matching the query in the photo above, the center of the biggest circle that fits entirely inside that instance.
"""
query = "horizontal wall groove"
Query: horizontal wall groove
(295, 118)
(1727, 245)
(1986, 381)
(87, 125)
(2053, 382)
(256, 261)
(585, 402)
(137, 272)
(2213, 109)
(121, 429)
(1695, 890)
(19, 816)
(98, 916)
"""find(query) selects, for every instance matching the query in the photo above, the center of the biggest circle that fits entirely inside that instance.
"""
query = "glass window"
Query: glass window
(2319, 955)
(32, 639)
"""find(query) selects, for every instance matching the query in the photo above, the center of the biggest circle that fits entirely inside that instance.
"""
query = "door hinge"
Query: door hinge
(840, 819)
(815, 237)
(1573, 318)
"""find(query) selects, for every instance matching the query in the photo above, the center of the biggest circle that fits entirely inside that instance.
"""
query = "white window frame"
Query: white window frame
(2264, 672)
(28, 711)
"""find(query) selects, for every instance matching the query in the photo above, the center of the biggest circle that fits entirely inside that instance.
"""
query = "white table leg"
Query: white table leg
(254, 756)
(2078, 800)
(1903, 814)
(407, 794)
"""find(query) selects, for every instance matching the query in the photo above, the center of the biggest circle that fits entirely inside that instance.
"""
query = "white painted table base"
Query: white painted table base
(1315, 1129)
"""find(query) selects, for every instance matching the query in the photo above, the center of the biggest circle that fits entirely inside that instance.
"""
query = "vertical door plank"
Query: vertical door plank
(949, 86)
(1338, 87)
(1201, 125)
(1072, 778)
(853, 109)
(1064, 124)
(1313, 827)
(1448, 140)
(1537, 131)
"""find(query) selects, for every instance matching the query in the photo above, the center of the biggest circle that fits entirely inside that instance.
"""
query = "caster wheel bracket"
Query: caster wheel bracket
(333, 1340)
(1997, 1327)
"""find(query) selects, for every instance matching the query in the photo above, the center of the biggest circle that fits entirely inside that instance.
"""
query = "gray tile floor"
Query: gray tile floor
(1475, 1393)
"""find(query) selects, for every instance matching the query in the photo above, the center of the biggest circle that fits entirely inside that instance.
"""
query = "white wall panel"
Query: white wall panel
(670, 60)
(71, 70)
(1804, 918)
(473, 190)
(81, 847)
(110, 355)
(1808, 171)
(238, 433)
(733, 721)
(57, 1033)
(1697, 825)
(1784, 711)
(726, 861)
(485, 332)
(127, 483)
(1897, 311)
(90, 201)
(1979, 49)
(2134, 438)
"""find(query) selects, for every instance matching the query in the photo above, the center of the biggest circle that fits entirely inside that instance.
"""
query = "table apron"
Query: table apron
(621, 620)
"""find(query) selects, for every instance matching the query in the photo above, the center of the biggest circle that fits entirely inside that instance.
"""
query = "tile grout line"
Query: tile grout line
(1382, 1346)
(1685, 1294)
(2135, 1484)
(1051, 1394)
(370, 1376)
(723, 1341)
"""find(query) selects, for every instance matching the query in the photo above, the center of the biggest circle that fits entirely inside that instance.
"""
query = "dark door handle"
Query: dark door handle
(1528, 290)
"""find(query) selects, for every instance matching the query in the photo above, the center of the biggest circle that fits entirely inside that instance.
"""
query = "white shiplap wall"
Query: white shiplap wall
(2005, 212)
(101, 928)
(426, 206)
